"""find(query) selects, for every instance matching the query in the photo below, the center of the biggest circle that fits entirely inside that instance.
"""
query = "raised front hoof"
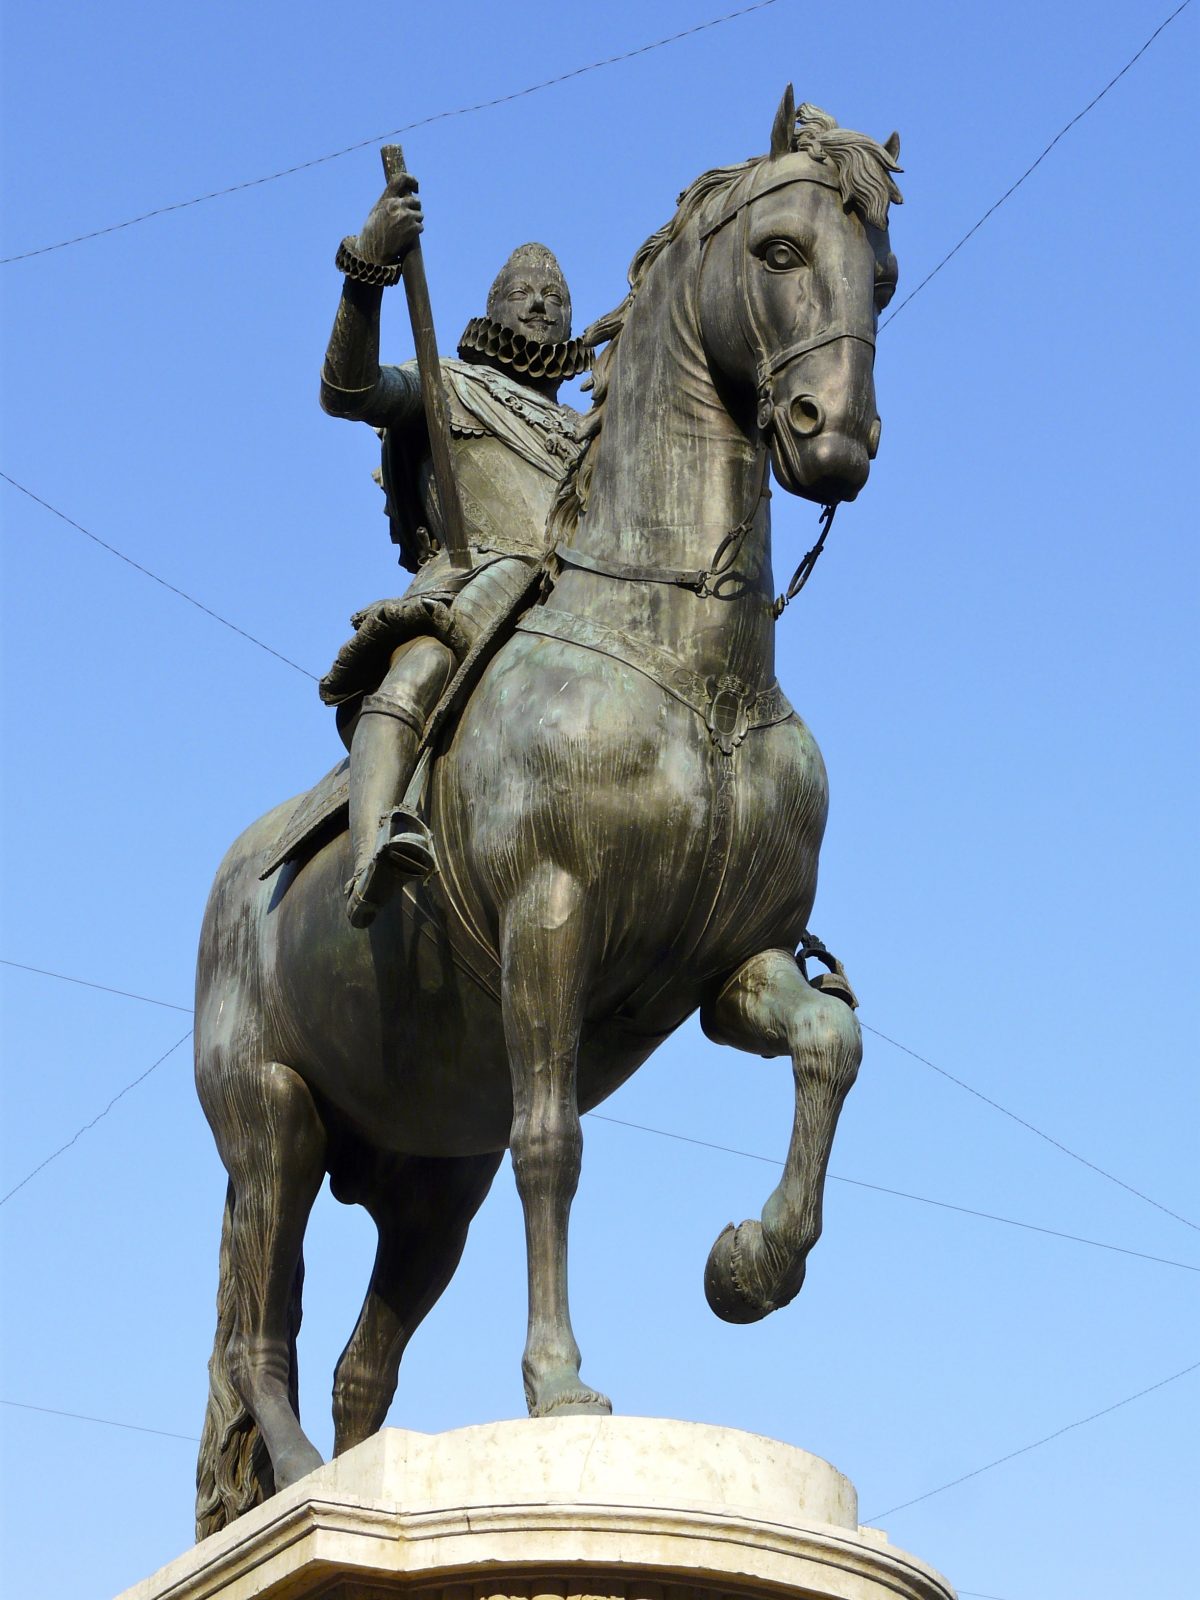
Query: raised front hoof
(294, 1464)
(732, 1276)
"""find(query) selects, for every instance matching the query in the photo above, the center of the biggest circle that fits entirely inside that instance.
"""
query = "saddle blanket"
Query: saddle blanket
(322, 812)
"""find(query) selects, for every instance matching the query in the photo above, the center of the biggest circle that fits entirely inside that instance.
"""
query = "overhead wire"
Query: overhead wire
(107, 1422)
(146, 572)
(393, 133)
(900, 1194)
(100, 1115)
(877, 1516)
(576, 72)
(1049, 1138)
(664, 1133)
(86, 983)
(960, 1083)
(1030, 169)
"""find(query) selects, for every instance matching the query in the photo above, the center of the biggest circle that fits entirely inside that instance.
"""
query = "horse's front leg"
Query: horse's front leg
(546, 943)
(769, 1007)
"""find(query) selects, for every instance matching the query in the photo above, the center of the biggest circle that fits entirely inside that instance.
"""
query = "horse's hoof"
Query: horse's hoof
(577, 1403)
(295, 1464)
(729, 1286)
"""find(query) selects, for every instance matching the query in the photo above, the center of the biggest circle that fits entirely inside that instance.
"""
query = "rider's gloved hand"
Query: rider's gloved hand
(394, 224)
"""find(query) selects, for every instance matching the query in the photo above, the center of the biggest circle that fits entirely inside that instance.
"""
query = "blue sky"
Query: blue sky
(996, 655)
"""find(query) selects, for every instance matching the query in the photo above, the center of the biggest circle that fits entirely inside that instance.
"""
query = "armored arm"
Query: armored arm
(353, 384)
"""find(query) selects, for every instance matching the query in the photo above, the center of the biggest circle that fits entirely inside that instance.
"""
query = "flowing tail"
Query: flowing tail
(233, 1472)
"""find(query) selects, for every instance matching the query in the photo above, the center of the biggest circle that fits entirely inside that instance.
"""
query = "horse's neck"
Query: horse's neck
(673, 476)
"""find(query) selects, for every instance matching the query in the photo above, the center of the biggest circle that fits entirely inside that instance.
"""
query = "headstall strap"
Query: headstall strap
(802, 347)
(756, 192)
(767, 367)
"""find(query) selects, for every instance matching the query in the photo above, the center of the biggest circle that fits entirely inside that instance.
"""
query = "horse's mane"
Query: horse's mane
(864, 172)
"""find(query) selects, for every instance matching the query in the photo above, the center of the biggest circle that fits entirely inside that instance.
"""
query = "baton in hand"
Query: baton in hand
(421, 316)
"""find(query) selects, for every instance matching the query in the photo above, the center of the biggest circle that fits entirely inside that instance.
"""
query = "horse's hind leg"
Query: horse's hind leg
(546, 964)
(769, 1007)
(422, 1207)
(272, 1142)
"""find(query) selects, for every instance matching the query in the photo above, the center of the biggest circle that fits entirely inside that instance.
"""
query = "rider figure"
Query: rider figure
(511, 443)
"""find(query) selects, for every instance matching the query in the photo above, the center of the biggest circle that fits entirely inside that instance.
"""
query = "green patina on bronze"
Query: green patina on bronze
(623, 812)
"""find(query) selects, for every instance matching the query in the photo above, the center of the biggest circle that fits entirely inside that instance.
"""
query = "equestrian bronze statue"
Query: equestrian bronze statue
(600, 813)
(511, 444)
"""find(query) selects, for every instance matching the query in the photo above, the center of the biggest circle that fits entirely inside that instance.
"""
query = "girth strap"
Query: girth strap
(726, 706)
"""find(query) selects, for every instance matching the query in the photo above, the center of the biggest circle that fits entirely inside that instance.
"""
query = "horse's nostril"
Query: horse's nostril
(873, 433)
(806, 415)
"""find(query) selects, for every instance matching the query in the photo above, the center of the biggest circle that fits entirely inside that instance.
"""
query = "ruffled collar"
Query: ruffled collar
(529, 357)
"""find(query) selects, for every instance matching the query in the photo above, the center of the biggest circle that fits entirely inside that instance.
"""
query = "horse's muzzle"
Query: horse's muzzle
(824, 466)
(818, 410)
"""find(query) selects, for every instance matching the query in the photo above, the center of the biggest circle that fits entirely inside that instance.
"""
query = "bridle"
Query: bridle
(706, 581)
(768, 365)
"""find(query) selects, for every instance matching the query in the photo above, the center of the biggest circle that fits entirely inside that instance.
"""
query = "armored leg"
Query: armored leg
(389, 841)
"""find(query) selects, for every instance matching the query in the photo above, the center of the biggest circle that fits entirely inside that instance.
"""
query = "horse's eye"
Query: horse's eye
(884, 290)
(780, 256)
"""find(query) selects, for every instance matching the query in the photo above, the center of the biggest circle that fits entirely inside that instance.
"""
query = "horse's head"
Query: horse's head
(796, 266)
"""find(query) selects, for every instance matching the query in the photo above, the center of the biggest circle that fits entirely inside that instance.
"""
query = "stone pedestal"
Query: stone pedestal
(574, 1508)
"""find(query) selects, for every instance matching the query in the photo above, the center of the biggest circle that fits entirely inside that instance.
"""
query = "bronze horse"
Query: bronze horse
(629, 815)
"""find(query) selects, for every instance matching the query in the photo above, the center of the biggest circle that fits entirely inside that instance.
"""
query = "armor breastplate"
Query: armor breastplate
(505, 500)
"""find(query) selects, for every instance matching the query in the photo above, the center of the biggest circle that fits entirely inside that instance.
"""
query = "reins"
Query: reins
(706, 581)
(804, 571)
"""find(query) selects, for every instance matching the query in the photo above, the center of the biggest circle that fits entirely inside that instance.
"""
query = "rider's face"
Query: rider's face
(535, 304)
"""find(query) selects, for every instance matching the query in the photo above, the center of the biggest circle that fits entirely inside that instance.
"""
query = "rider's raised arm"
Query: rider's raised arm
(353, 384)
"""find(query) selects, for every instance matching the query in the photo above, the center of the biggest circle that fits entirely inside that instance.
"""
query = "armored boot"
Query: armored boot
(390, 842)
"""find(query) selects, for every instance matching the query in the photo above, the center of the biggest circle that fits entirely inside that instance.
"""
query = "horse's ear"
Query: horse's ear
(892, 145)
(784, 125)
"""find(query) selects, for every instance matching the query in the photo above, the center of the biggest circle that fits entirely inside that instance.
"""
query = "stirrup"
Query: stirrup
(403, 849)
(834, 982)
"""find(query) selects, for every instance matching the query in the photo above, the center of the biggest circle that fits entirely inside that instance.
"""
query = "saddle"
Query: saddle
(325, 810)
